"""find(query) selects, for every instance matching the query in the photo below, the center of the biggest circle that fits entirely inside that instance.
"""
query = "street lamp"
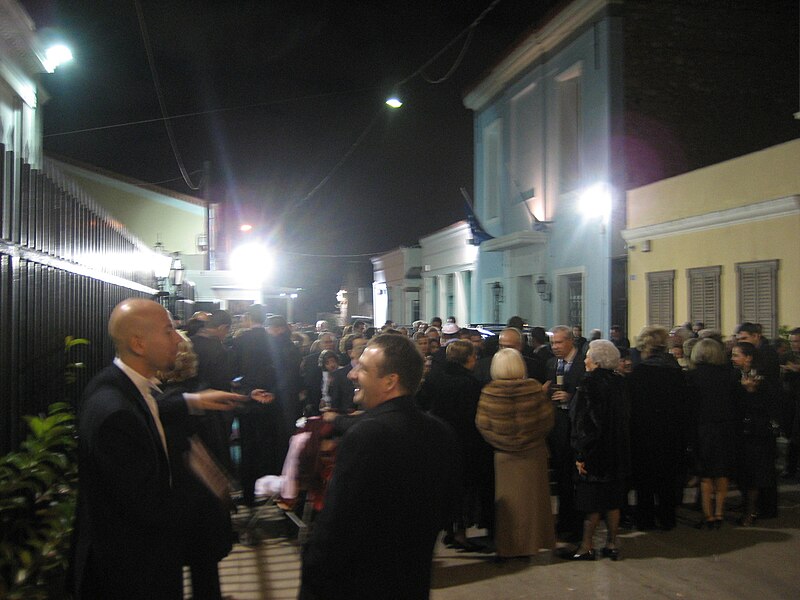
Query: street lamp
(394, 101)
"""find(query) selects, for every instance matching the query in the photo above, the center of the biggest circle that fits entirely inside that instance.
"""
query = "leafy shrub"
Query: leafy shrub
(38, 490)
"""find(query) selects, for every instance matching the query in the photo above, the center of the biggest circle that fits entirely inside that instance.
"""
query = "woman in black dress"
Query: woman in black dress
(713, 389)
(600, 440)
(758, 407)
(657, 391)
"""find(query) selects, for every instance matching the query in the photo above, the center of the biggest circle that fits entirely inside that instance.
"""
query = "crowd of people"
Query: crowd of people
(439, 429)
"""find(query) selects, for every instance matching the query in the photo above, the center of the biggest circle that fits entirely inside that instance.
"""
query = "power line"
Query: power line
(468, 31)
(215, 110)
(161, 103)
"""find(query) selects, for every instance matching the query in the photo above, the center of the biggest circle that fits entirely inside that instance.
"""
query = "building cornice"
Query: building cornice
(117, 181)
(533, 48)
(457, 229)
(750, 213)
(512, 241)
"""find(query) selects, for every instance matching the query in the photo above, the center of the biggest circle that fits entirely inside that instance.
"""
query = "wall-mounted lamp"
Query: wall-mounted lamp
(497, 291)
(497, 295)
(543, 289)
(176, 271)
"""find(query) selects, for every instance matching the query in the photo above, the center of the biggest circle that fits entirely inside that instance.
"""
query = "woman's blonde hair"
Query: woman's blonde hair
(708, 351)
(652, 339)
(508, 364)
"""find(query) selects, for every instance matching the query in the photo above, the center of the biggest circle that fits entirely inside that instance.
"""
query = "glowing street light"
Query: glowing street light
(251, 262)
(595, 202)
(394, 102)
(55, 56)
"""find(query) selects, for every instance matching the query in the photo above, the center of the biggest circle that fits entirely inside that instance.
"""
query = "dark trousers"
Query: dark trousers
(562, 464)
(656, 499)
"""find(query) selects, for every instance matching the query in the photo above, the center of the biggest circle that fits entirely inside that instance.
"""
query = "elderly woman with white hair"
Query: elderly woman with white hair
(514, 416)
(599, 418)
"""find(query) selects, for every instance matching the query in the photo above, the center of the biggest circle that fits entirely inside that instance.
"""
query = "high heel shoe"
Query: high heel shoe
(748, 520)
(612, 553)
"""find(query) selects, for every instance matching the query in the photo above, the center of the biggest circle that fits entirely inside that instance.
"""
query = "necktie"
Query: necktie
(153, 406)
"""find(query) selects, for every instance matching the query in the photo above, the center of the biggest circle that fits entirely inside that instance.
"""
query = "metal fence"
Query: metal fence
(64, 264)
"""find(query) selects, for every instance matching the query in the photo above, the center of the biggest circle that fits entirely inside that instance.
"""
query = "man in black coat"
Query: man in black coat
(564, 372)
(453, 392)
(214, 370)
(389, 495)
(341, 389)
(127, 542)
(768, 366)
(311, 372)
(286, 358)
(260, 425)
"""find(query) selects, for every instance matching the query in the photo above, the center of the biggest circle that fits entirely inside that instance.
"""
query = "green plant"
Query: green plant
(72, 369)
(38, 489)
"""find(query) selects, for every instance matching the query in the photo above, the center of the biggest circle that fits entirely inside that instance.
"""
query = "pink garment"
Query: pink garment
(286, 483)
(296, 445)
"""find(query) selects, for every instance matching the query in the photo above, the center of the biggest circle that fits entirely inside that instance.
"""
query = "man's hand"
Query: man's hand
(218, 400)
(561, 396)
(262, 396)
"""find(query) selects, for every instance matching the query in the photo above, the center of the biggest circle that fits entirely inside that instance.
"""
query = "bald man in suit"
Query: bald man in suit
(126, 534)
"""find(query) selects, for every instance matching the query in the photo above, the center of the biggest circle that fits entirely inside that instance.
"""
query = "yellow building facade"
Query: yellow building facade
(720, 245)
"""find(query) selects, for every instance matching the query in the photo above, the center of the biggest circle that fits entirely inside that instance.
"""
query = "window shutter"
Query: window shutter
(757, 284)
(704, 296)
(660, 294)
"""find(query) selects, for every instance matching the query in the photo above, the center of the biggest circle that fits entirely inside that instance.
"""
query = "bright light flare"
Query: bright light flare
(245, 227)
(252, 262)
(394, 102)
(57, 55)
(595, 202)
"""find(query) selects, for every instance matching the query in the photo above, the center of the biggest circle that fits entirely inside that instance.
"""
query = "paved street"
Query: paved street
(761, 563)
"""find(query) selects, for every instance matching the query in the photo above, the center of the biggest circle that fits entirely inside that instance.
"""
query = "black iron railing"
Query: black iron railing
(64, 264)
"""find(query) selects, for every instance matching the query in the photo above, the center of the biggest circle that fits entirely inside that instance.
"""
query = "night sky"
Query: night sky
(299, 83)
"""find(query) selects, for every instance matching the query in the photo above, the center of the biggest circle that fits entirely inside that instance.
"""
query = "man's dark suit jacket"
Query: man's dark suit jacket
(572, 377)
(385, 505)
(341, 390)
(311, 373)
(126, 542)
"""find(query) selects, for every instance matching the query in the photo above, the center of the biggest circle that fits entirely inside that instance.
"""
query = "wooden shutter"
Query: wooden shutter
(660, 298)
(758, 298)
(704, 296)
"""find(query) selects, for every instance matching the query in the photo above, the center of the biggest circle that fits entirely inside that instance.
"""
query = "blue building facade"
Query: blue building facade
(549, 185)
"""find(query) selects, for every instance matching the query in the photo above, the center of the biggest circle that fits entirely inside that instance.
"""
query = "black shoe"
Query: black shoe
(612, 553)
(707, 523)
(589, 555)
(467, 546)
(748, 520)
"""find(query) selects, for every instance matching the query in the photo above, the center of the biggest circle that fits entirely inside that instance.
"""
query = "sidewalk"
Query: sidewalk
(761, 562)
